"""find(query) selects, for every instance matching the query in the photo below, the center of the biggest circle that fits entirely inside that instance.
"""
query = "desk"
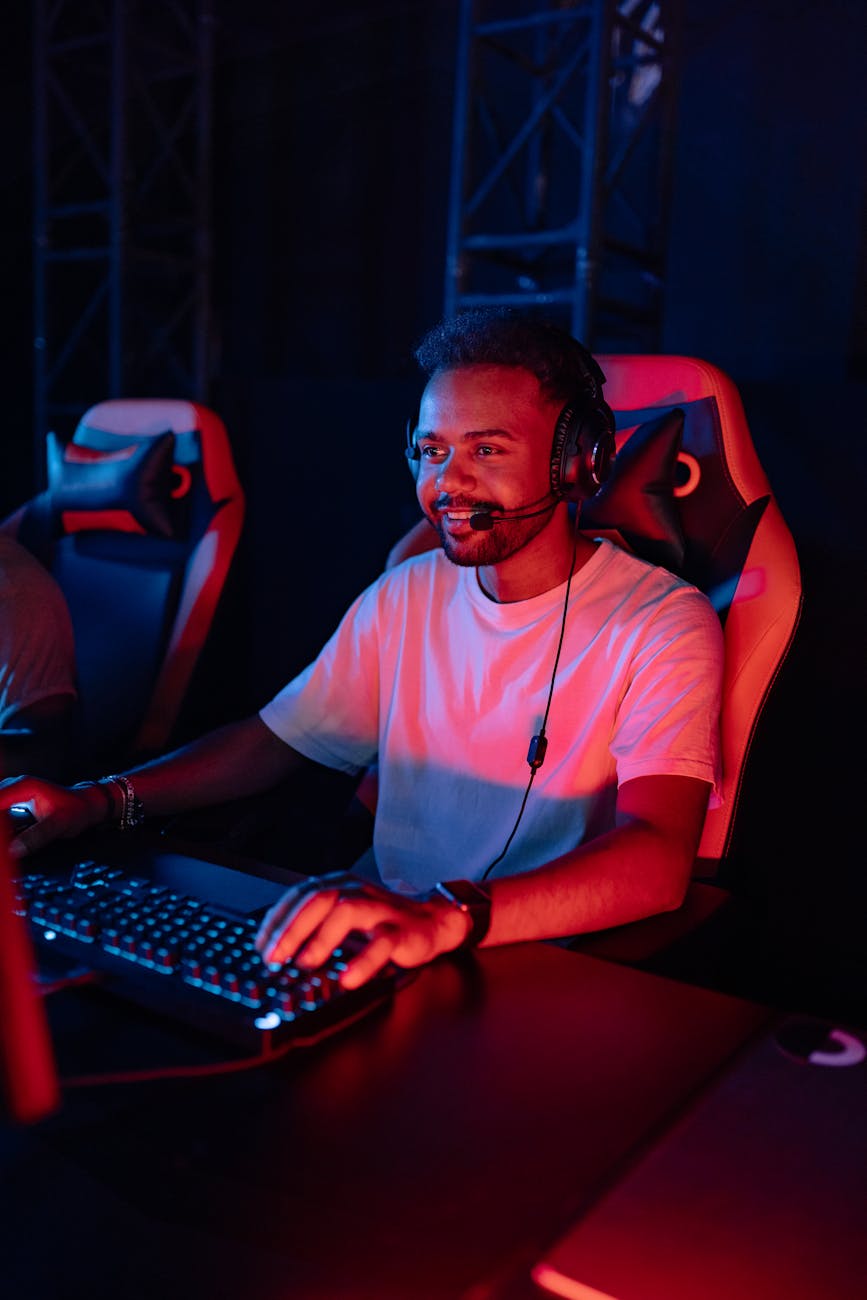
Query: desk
(429, 1152)
(758, 1190)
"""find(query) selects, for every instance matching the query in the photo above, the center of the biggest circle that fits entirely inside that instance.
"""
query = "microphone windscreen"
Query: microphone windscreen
(482, 522)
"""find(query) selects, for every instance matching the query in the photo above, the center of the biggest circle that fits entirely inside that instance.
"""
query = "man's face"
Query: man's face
(484, 437)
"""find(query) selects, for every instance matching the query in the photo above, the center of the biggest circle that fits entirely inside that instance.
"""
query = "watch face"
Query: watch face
(464, 892)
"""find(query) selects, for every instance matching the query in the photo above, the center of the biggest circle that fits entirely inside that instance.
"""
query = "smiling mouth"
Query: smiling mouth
(459, 514)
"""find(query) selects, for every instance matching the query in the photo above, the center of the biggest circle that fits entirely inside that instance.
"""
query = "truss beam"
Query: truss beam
(122, 212)
(561, 162)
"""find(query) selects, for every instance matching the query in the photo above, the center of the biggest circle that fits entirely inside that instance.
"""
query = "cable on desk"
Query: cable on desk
(83, 976)
(265, 1057)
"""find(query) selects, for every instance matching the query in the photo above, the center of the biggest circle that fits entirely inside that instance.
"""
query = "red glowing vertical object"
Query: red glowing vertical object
(30, 1090)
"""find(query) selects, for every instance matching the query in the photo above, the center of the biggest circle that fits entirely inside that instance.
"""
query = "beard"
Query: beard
(483, 548)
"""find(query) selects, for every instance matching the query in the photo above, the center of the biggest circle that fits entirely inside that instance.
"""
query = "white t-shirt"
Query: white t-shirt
(446, 688)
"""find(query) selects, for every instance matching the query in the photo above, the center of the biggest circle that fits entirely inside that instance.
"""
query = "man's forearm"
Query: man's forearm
(237, 760)
(638, 869)
(619, 878)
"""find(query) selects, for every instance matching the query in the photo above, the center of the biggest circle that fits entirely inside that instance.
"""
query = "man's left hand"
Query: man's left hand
(314, 918)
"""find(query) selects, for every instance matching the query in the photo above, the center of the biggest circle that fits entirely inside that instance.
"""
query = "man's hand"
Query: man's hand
(59, 812)
(314, 918)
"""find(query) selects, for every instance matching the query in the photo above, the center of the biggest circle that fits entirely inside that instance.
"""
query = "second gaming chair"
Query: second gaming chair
(139, 524)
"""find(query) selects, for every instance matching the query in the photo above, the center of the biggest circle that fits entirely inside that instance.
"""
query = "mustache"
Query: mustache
(464, 503)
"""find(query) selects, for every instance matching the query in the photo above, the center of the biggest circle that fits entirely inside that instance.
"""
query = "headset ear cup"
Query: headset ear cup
(564, 453)
(600, 449)
(572, 474)
(582, 452)
(411, 451)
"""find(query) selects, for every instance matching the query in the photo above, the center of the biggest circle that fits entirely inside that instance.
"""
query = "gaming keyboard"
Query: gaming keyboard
(175, 934)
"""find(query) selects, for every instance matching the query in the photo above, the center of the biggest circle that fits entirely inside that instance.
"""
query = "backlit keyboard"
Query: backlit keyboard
(189, 956)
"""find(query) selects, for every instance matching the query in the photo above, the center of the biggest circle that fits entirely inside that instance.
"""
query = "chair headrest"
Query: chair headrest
(142, 417)
(636, 504)
(129, 489)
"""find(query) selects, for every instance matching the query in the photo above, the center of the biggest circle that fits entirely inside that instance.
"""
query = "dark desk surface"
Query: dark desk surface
(430, 1152)
(758, 1189)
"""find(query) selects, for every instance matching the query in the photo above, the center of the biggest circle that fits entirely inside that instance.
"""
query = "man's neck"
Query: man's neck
(535, 569)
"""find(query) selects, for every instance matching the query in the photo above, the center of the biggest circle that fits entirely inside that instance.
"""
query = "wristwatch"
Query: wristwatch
(473, 900)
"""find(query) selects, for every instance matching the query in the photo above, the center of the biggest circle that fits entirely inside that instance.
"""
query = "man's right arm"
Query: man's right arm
(240, 759)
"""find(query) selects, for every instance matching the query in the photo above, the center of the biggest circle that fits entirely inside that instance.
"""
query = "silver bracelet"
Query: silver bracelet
(132, 809)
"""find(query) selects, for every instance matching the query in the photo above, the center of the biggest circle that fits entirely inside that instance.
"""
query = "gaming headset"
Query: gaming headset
(582, 449)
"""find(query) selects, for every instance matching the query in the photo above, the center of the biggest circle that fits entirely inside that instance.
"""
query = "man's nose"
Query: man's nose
(455, 473)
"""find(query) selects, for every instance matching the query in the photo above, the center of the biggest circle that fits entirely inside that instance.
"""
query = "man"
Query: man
(38, 695)
(518, 631)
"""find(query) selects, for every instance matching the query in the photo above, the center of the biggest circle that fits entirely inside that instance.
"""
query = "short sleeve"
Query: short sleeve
(668, 719)
(330, 711)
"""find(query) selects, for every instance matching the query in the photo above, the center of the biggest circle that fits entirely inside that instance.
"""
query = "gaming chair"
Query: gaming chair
(139, 523)
(738, 549)
(737, 546)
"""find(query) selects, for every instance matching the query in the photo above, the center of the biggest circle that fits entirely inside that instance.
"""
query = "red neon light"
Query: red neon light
(556, 1283)
(30, 1087)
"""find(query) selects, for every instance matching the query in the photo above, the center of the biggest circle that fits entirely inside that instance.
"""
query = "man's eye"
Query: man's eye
(485, 450)
(430, 452)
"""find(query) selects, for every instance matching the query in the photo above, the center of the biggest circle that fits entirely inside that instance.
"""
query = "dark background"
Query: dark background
(332, 150)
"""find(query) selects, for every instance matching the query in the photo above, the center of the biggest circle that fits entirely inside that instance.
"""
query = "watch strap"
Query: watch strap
(474, 901)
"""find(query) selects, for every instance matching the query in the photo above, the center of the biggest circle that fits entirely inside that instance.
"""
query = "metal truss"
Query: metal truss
(122, 183)
(561, 162)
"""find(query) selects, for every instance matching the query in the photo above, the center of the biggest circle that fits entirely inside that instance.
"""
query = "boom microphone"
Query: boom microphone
(486, 516)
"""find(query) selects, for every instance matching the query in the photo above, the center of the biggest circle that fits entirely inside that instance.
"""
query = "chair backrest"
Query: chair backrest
(737, 546)
(139, 524)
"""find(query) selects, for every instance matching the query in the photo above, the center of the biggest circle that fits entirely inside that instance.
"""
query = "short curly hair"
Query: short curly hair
(503, 336)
